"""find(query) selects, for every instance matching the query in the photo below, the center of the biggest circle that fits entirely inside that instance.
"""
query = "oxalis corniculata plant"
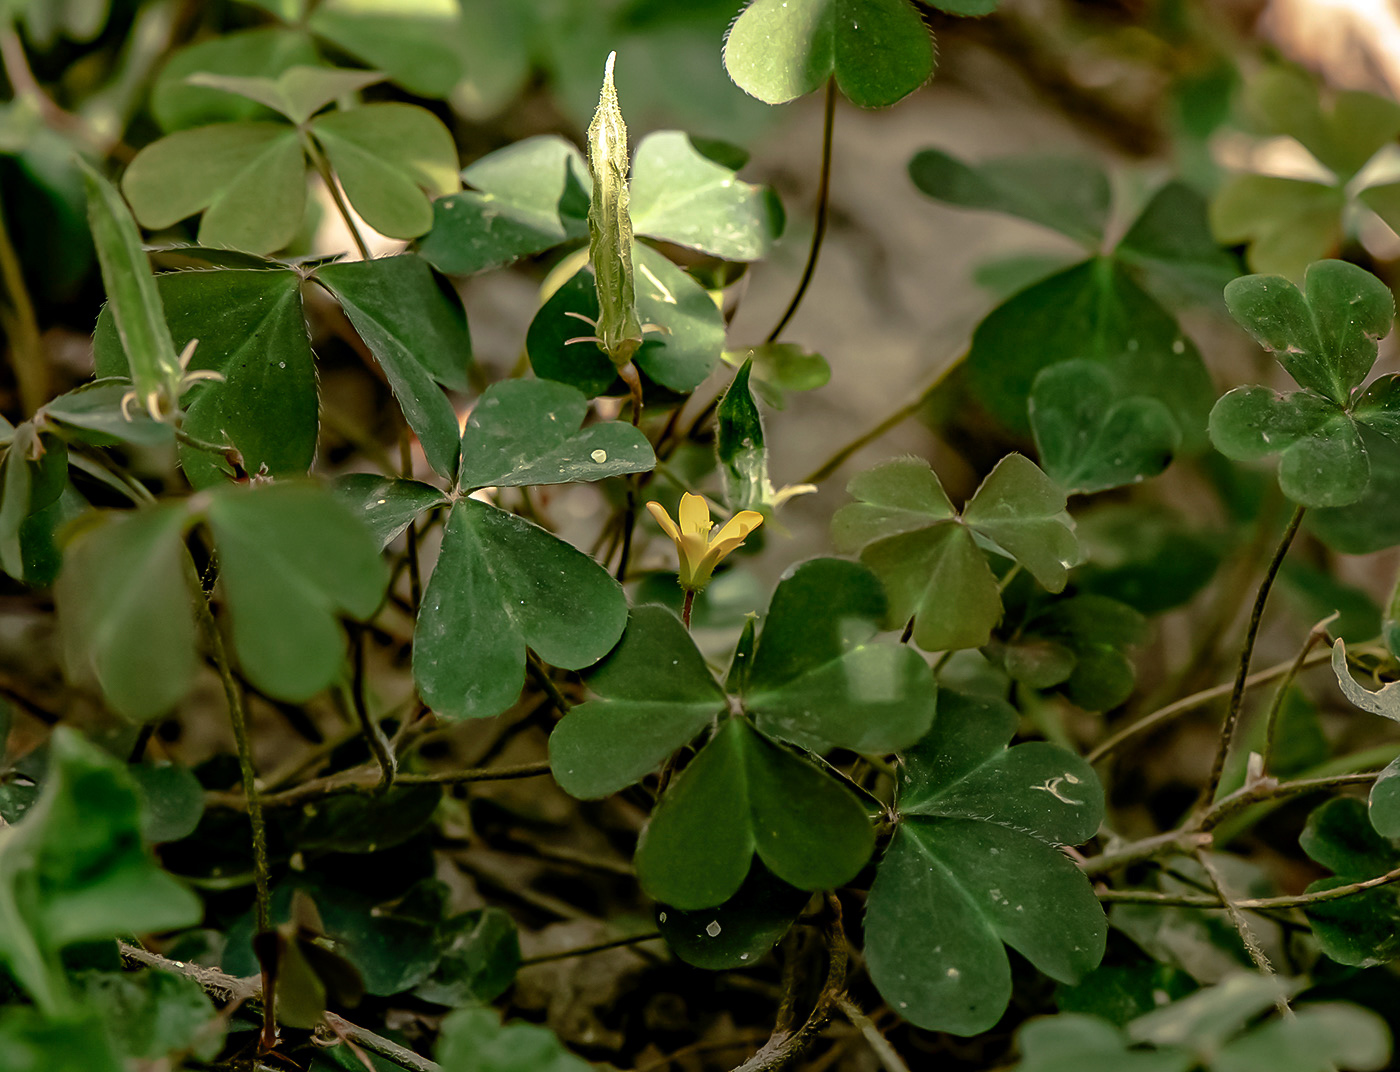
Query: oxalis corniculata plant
(900, 810)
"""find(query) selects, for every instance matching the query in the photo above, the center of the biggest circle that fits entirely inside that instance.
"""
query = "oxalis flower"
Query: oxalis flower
(698, 550)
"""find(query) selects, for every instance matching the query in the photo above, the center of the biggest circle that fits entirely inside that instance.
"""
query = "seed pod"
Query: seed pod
(619, 330)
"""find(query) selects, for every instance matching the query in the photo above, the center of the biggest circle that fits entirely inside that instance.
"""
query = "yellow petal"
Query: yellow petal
(737, 527)
(692, 550)
(695, 514)
(664, 520)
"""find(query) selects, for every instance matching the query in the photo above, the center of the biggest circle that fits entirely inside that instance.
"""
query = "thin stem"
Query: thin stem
(373, 733)
(227, 989)
(1253, 904)
(585, 950)
(238, 719)
(884, 1052)
(629, 522)
(546, 683)
(364, 779)
(26, 348)
(1316, 634)
(323, 168)
(1232, 715)
(230, 454)
(823, 199)
(1193, 702)
(687, 606)
(894, 420)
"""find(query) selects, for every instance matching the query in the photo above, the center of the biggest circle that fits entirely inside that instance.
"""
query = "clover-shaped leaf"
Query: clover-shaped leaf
(1362, 929)
(75, 869)
(125, 614)
(1325, 336)
(252, 330)
(526, 432)
(534, 195)
(879, 51)
(928, 557)
(974, 864)
(813, 680)
(248, 178)
(1091, 436)
(744, 794)
(266, 51)
(678, 359)
(1079, 645)
(418, 334)
(386, 505)
(739, 932)
(502, 583)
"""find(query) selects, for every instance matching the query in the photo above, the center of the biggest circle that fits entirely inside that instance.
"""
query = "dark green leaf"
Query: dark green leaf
(1384, 804)
(416, 45)
(33, 1042)
(1021, 510)
(526, 198)
(502, 583)
(1068, 194)
(878, 51)
(480, 956)
(93, 414)
(419, 337)
(974, 862)
(292, 558)
(1092, 311)
(1360, 930)
(658, 695)
(1122, 992)
(1097, 631)
(527, 432)
(151, 1014)
(1072, 1042)
(739, 446)
(172, 801)
(1372, 523)
(779, 367)
(741, 795)
(1171, 244)
(251, 329)
(1091, 437)
(385, 504)
(738, 933)
(125, 613)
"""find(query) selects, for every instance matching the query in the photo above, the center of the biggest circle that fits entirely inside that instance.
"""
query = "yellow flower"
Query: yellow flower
(698, 550)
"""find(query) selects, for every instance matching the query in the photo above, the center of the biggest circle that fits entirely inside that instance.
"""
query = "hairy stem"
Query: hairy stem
(323, 168)
(365, 779)
(823, 203)
(1241, 925)
(1232, 714)
(687, 606)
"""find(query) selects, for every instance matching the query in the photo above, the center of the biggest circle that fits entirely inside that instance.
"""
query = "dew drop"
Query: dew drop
(599, 456)
(713, 928)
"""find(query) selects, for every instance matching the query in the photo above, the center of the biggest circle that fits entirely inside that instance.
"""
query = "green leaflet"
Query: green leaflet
(1093, 436)
(252, 330)
(501, 584)
(475, 1040)
(418, 334)
(743, 795)
(927, 557)
(1360, 930)
(973, 865)
(877, 50)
